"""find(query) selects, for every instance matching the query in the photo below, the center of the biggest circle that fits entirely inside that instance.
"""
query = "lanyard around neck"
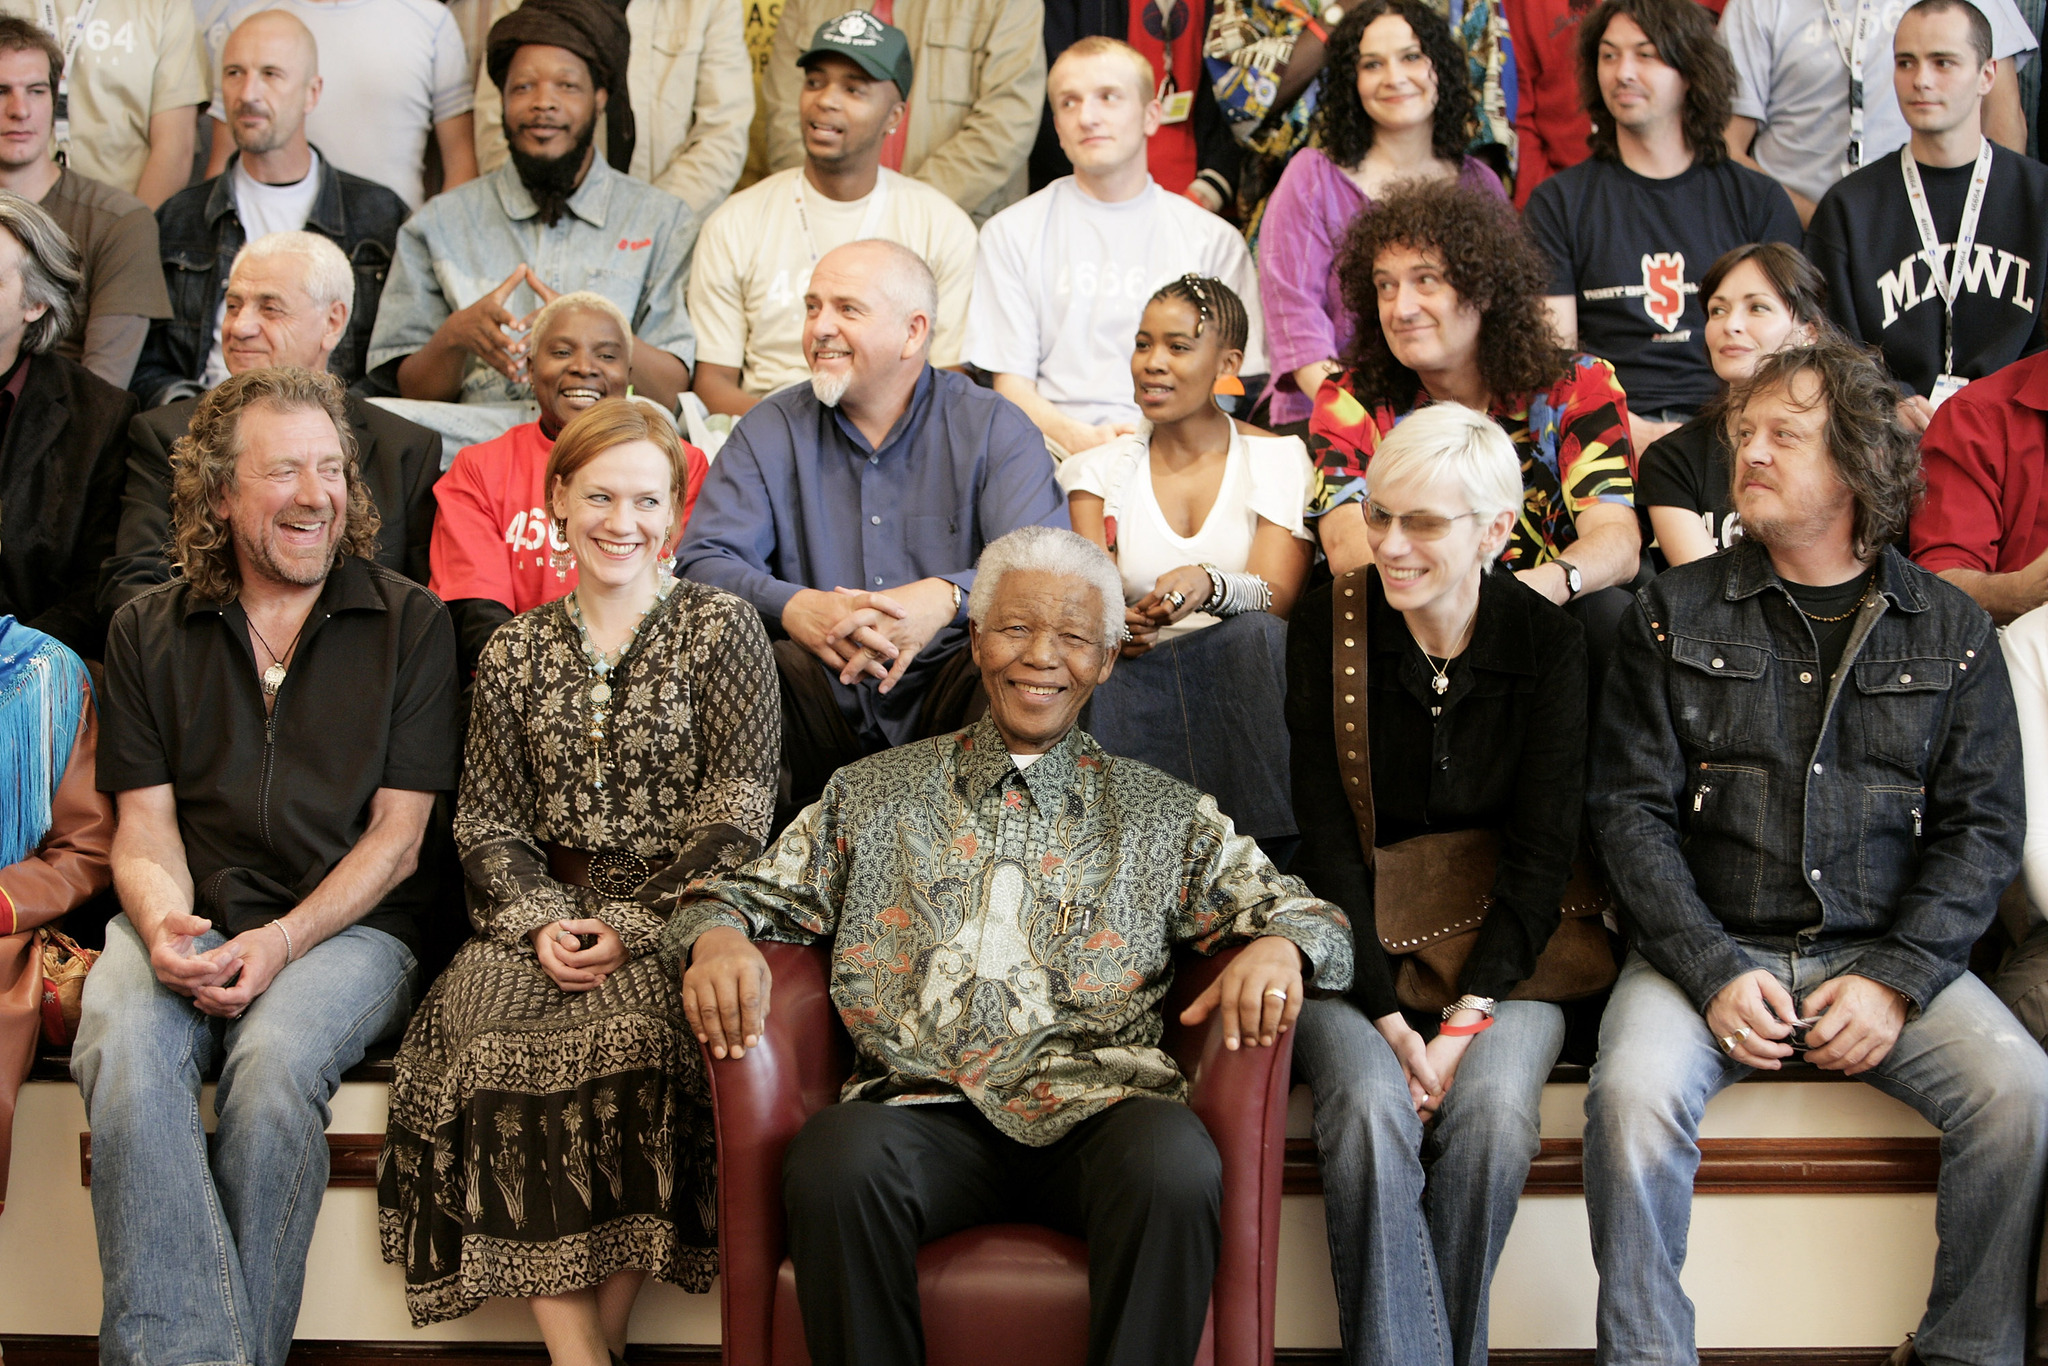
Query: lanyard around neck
(1851, 41)
(1947, 283)
(870, 222)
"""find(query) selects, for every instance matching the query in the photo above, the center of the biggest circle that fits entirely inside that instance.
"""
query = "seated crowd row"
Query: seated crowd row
(830, 685)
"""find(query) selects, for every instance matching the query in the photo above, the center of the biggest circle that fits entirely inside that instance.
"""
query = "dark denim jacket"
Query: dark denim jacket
(200, 232)
(1733, 790)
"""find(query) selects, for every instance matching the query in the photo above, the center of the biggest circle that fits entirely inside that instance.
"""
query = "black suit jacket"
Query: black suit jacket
(60, 497)
(399, 460)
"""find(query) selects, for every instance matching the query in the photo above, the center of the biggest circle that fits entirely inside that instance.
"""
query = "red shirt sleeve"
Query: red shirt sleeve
(1962, 457)
(468, 553)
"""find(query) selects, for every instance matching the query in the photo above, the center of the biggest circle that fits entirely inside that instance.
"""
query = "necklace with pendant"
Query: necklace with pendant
(1441, 684)
(602, 662)
(273, 677)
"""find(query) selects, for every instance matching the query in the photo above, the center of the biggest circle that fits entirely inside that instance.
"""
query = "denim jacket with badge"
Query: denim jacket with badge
(1733, 790)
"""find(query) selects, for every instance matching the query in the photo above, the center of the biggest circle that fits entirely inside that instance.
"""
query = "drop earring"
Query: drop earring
(561, 560)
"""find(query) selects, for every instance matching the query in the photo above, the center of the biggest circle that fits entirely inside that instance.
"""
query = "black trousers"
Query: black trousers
(816, 739)
(866, 1185)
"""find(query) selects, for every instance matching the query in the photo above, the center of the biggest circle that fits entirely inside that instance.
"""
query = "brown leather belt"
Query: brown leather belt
(613, 872)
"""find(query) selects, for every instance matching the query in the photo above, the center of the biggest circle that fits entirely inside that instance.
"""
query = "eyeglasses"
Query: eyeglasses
(1416, 526)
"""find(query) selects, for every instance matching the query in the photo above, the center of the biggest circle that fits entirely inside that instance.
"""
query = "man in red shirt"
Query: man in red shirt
(1984, 526)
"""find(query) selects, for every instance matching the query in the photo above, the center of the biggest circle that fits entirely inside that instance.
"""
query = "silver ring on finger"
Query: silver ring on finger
(1276, 992)
(1176, 597)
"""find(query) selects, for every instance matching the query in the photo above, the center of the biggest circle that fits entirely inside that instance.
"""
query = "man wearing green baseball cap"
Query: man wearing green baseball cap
(877, 48)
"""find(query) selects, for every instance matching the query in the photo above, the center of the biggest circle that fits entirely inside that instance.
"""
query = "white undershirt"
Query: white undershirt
(263, 209)
(1147, 545)
(1024, 761)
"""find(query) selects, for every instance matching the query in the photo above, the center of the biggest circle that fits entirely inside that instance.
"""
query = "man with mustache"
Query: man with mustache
(850, 511)
(275, 182)
(1806, 785)
(275, 726)
(289, 302)
(555, 218)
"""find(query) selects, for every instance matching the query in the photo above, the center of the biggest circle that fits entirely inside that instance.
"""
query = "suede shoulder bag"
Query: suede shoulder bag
(1431, 892)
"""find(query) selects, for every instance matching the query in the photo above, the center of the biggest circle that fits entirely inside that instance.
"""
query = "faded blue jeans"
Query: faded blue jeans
(203, 1261)
(1416, 1216)
(1965, 1064)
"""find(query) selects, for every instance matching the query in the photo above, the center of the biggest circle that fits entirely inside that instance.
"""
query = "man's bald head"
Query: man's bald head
(894, 274)
(868, 315)
(270, 81)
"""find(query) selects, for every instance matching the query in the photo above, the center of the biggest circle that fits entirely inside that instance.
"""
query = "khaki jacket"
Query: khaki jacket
(692, 86)
(980, 85)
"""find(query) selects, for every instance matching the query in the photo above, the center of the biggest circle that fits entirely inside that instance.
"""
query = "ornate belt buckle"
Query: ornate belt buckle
(618, 874)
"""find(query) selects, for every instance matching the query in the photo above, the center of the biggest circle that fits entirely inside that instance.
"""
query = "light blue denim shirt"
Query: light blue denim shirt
(624, 239)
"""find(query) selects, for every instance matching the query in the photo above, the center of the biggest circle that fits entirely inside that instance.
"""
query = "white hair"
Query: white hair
(583, 298)
(1050, 550)
(1449, 440)
(324, 271)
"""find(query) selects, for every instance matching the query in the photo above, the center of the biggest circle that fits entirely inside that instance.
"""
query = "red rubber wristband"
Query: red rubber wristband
(1458, 1031)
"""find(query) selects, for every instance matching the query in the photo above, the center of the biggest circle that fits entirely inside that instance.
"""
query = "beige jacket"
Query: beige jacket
(692, 85)
(980, 82)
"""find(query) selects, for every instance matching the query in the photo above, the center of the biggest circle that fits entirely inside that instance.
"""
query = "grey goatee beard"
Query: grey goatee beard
(829, 389)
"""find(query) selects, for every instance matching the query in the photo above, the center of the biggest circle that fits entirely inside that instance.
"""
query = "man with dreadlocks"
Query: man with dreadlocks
(476, 262)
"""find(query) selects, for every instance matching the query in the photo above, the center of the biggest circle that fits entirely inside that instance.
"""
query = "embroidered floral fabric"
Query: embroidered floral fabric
(1573, 440)
(540, 1139)
(1007, 936)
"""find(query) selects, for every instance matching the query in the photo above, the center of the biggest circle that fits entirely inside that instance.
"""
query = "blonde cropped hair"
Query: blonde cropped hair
(1101, 45)
(583, 298)
(1451, 441)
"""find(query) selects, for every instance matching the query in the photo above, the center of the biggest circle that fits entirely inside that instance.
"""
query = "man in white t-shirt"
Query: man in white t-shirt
(1063, 277)
(1794, 119)
(394, 72)
(755, 255)
(275, 182)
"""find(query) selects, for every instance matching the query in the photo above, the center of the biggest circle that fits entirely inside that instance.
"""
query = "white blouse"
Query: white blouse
(1263, 477)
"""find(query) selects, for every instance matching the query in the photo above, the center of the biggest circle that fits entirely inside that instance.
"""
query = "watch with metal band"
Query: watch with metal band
(1572, 581)
(1485, 1005)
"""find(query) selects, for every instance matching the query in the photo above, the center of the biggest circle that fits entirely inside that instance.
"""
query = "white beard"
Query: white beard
(829, 389)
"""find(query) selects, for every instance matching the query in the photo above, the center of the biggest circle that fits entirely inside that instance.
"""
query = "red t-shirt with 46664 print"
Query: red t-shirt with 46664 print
(493, 537)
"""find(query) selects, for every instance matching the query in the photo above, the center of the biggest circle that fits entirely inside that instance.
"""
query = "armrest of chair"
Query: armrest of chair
(758, 1103)
(1241, 1097)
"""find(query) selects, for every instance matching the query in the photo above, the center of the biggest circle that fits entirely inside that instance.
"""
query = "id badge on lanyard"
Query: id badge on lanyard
(1851, 39)
(47, 15)
(1166, 20)
(1948, 284)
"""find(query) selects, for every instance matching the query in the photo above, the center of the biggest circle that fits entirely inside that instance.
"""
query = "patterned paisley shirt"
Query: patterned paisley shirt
(1573, 440)
(1007, 935)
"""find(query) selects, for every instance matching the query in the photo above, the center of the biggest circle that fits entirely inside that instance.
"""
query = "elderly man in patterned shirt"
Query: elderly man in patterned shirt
(1003, 905)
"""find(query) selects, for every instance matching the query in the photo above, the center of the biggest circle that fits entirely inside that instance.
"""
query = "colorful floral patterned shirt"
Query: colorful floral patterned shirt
(1573, 440)
(1007, 935)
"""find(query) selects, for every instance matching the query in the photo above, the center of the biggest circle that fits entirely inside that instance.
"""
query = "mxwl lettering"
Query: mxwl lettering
(1984, 273)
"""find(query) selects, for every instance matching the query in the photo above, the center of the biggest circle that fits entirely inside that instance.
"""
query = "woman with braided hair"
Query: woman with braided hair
(1203, 515)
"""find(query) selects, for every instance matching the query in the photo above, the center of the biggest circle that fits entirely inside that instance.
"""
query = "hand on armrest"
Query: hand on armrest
(725, 992)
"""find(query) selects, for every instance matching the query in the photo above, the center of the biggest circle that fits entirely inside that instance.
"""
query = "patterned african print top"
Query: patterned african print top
(1573, 440)
(1007, 935)
(682, 772)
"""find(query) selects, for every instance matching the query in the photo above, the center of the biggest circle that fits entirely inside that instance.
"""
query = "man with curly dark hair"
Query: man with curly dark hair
(274, 728)
(1445, 292)
(1807, 784)
(1630, 231)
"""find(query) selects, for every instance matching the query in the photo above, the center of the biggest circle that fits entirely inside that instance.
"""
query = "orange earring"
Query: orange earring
(1228, 384)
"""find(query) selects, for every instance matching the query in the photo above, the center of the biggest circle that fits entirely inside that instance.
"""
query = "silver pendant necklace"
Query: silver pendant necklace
(273, 677)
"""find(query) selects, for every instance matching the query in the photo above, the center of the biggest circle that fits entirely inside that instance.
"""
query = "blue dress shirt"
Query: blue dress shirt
(798, 498)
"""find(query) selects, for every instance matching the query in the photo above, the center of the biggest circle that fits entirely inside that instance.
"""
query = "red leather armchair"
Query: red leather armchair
(1001, 1292)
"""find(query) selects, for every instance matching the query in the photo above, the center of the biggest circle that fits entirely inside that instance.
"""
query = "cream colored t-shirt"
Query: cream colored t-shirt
(754, 259)
(134, 59)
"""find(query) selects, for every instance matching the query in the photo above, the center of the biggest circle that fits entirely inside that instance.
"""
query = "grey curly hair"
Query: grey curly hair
(50, 271)
(1050, 550)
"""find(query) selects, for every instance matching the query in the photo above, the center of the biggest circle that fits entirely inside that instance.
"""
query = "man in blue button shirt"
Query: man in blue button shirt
(851, 512)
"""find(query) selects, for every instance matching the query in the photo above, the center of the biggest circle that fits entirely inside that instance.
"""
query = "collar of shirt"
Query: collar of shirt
(2033, 392)
(590, 203)
(326, 215)
(985, 762)
(1750, 572)
(347, 589)
(11, 387)
(906, 425)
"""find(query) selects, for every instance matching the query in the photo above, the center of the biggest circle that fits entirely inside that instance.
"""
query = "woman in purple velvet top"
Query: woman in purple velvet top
(1383, 116)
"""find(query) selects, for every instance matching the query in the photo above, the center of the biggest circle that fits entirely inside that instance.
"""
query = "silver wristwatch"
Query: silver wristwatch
(1485, 1005)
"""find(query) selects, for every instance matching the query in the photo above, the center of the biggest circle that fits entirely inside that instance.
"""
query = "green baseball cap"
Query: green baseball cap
(877, 48)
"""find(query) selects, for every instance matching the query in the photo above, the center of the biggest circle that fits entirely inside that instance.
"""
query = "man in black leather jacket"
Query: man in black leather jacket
(1806, 785)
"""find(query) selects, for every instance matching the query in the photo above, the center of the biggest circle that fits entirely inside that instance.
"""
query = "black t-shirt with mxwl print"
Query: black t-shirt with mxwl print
(1632, 250)
(1881, 288)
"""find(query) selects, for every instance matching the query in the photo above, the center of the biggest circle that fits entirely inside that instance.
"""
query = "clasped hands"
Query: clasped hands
(558, 947)
(1159, 607)
(869, 635)
(491, 332)
(223, 980)
(1859, 1020)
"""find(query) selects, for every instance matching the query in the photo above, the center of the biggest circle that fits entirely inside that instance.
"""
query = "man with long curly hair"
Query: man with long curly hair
(1630, 231)
(275, 725)
(1446, 297)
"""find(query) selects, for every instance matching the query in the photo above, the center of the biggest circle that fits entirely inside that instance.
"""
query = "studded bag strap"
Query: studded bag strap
(1347, 675)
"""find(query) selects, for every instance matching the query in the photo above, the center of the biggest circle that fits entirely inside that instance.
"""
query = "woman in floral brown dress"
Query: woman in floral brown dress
(550, 1134)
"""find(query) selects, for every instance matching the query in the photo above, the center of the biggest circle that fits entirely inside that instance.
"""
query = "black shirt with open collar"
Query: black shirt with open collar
(268, 805)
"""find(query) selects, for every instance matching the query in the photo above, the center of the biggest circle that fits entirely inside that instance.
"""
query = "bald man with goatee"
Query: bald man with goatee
(276, 181)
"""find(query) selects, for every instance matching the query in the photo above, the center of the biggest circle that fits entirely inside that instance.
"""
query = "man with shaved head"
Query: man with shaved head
(851, 512)
(275, 182)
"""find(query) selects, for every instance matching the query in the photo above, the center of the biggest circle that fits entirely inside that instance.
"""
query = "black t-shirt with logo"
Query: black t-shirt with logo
(1633, 249)
(1689, 469)
(1881, 291)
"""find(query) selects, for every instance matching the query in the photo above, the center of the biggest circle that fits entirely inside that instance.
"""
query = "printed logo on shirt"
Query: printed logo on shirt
(640, 245)
(1986, 272)
(1664, 287)
(533, 530)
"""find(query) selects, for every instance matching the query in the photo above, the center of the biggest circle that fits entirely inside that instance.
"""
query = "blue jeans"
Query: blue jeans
(1417, 1218)
(1965, 1064)
(203, 1260)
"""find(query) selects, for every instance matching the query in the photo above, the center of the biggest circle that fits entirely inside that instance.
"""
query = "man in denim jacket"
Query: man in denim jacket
(1807, 786)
